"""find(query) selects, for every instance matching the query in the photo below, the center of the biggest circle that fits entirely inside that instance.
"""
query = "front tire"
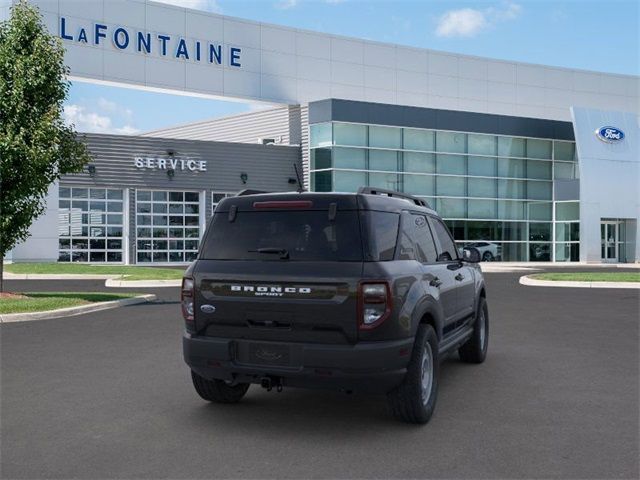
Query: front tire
(487, 257)
(475, 349)
(415, 399)
(218, 390)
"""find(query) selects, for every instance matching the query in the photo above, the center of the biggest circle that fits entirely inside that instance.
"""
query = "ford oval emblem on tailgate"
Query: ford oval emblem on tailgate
(208, 308)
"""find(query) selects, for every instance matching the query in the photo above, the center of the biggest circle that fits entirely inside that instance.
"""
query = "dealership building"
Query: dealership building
(526, 162)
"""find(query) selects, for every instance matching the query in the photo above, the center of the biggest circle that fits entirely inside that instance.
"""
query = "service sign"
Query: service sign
(609, 134)
(171, 163)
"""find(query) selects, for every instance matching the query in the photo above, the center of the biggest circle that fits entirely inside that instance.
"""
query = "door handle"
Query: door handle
(459, 277)
(435, 282)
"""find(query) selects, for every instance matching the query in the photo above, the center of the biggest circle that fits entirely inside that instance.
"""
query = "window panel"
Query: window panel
(383, 160)
(511, 147)
(320, 158)
(509, 210)
(564, 150)
(482, 144)
(419, 184)
(415, 139)
(539, 190)
(511, 189)
(385, 137)
(350, 134)
(565, 171)
(483, 187)
(83, 227)
(320, 135)
(539, 170)
(452, 164)
(451, 186)
(451, 142)
(350, 158)
(540, 211)
(567, 211)
(322, 181)
(419, 162)
(483, 166)
(540, 232)
(348, 181)
(538, 148)
(483, 209)
(511, 167)
(389, 181)
(452, 207)
(567, 232)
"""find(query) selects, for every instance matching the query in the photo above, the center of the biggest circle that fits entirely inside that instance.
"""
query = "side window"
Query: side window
(416, 242)
(382, 233)
(448, 248)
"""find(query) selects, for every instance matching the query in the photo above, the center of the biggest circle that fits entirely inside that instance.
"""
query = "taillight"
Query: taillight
(374, 304)
(186, 299)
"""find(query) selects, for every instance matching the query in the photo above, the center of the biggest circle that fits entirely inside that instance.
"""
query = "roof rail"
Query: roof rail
(249, 191)
(392, 193)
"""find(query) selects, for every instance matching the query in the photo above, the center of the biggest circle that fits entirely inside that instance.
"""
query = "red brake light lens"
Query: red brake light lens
(374, 304)
(187, 301)
(284, 204)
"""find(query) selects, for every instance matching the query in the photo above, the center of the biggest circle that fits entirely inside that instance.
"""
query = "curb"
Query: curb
(72, 311)
(116, 283)
(113, 281)
(532, 282)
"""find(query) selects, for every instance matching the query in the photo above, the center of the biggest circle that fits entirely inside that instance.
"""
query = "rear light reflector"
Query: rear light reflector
(374, 304)
(284, 204)
(187, 301)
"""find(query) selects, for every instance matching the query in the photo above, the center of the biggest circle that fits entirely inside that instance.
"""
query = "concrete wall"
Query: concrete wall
(293, 66)
(609, 175)
(42, 245)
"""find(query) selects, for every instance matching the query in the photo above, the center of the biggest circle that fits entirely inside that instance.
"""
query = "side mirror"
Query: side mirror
(471, 255)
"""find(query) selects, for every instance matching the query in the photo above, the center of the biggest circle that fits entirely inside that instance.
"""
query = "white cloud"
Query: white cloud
(89, 121)
(287, 4)
(468, 22)
(207, 5)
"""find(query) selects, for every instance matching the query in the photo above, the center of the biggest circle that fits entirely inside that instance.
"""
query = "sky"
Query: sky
(600, 35)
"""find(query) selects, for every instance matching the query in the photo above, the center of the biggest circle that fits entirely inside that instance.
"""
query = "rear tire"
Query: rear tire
(415, 399)
(218, 390)
(487, 257)
(475, 349)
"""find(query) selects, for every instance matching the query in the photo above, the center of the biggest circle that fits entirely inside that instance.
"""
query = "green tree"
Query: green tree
(36, 146)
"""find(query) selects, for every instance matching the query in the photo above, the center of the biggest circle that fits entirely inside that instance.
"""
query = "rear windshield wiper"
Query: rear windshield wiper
(283, 252)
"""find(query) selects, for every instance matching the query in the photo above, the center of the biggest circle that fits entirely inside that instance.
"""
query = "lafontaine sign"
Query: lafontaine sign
(171, 163)
(609, 134)
(155, 44)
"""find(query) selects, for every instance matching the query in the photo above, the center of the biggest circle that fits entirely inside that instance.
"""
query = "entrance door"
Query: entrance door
(609, 241)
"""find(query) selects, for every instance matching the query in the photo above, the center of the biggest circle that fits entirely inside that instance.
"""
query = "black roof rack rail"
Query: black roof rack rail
(392, 193)
(249, 191)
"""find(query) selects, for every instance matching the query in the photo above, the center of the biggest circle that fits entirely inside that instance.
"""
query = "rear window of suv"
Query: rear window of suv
(304, 235)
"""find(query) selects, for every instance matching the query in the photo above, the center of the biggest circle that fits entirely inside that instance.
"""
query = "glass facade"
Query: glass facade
(90, 225)
(167, 226)
(492, 190)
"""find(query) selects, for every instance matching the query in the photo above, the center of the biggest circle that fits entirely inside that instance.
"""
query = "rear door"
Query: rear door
(460, 276)
(279, 273)
(437, 278)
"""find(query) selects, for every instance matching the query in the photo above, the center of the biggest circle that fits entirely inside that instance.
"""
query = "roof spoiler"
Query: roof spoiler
(249, 191)
(391, 193)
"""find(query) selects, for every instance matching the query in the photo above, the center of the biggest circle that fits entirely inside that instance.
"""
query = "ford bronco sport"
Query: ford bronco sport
(355, 292)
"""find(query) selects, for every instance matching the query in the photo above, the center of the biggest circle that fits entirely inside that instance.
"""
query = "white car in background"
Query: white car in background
(489, 252)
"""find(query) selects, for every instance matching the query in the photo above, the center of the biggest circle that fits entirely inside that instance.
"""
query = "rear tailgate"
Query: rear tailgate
(278, 300)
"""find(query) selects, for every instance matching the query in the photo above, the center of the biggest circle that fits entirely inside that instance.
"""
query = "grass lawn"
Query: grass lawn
(590, 276)
(129, 272)
(41, 302)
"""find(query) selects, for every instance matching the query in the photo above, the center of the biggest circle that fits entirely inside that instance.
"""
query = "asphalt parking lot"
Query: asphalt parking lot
(107, 395)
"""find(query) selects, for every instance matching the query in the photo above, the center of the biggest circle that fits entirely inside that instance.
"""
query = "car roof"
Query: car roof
(322, 201)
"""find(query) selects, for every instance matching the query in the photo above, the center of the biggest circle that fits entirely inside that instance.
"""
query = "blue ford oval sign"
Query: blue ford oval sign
(610, 134)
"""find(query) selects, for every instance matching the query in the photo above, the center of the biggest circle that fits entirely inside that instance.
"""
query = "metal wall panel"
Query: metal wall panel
(281, 124)
(268, 167)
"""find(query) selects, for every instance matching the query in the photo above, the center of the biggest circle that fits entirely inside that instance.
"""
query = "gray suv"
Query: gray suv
(355, 292)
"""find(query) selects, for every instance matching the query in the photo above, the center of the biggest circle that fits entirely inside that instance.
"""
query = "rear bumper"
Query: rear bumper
(366, 366)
